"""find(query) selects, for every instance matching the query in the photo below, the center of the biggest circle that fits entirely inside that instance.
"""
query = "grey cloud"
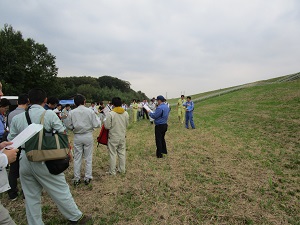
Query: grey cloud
(165, 46)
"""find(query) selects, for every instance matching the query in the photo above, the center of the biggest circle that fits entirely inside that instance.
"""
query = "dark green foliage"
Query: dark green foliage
(25, 64)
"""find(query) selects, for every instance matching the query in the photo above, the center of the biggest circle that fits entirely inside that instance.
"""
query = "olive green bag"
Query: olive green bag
(45, 146)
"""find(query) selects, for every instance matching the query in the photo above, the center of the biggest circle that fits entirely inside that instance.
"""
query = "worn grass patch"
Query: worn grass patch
(240, 165)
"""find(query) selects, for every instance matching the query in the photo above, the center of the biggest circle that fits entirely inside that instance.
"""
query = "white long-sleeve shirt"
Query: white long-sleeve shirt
(82, 120)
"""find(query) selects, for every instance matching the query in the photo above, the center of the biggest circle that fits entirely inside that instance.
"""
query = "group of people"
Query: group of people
(185, 109)
(81, 121)
(34, 176)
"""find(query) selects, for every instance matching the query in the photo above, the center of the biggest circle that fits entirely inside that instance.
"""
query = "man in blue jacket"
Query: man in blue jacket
(160, 117)
(189, 113)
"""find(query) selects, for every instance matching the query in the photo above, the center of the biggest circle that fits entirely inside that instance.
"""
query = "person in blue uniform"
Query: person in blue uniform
(189, 104)
(160, 117)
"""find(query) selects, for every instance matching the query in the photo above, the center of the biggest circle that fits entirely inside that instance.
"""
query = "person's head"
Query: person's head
(134, 100)
(160, 99)
(4, 105)
(37, 96)
(59, 106)
(79, 100)
(52, 102)
(188, 98)
(182, 96)
(68, 106)
(116, 101)
(93, 104)
(101, 103)
(23, 99)
(1, 93)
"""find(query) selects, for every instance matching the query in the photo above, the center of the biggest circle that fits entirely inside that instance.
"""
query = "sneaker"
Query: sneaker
(14, 199)
(76, 183)
(83, 220)
(87, 181)
(13, 196)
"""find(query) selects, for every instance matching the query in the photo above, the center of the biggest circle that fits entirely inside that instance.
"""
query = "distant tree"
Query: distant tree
(113, 82)
(25, 64)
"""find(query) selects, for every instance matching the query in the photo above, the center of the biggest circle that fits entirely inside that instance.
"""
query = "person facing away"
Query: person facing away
(6, 157)
(189, 113)
(82, 122)
(35, 176)
(13, 174)
(181, 108)
(116, 122)
(160, 117)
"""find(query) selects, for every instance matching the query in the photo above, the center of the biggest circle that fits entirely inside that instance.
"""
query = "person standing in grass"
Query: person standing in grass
(35, 176)
(135, 107)
(181, 108)
(189, 113)
(6, 157)
(14, 167)
(152, 106)
(116, 122)
(82, 122)
(160, 117)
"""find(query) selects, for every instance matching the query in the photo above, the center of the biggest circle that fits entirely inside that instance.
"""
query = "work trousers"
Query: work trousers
(161, 147)
(83, 147)
(34, 178)
(145, 113)
(189, 119)
(181, 114)
(134, 115)
(5, 218)
(13, 176)
(117, 147)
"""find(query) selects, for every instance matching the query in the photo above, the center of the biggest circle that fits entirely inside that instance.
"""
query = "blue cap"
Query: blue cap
(160, 97)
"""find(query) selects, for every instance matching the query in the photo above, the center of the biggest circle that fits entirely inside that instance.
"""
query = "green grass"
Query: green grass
(241, 165)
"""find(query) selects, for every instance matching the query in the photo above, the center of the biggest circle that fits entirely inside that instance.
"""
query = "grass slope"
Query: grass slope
(240, 166)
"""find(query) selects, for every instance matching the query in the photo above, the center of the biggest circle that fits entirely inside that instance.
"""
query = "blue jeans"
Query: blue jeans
(189, 118)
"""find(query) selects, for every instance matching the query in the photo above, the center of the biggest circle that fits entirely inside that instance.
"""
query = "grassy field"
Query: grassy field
(241, 165)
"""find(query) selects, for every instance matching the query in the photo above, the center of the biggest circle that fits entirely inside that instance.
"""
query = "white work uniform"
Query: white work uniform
(35, 176)
(117, 123)
(82, 121)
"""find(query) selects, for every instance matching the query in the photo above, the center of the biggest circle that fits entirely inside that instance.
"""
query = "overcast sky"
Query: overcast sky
(165, 46)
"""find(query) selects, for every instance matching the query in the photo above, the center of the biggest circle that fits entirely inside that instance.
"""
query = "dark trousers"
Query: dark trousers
(13, 177)
(145, 113)
(161, 147)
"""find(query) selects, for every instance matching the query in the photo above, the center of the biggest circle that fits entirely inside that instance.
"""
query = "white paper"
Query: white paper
(147, 108)
(25, 135)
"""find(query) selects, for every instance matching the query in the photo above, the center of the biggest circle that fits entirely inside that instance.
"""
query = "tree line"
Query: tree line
(26, 64)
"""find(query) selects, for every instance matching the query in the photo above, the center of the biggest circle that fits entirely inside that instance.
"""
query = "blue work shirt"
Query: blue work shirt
(161, 114)
(189, 106)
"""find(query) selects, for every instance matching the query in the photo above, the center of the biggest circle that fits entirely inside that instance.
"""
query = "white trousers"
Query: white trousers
(83, 147)
(5, 218)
